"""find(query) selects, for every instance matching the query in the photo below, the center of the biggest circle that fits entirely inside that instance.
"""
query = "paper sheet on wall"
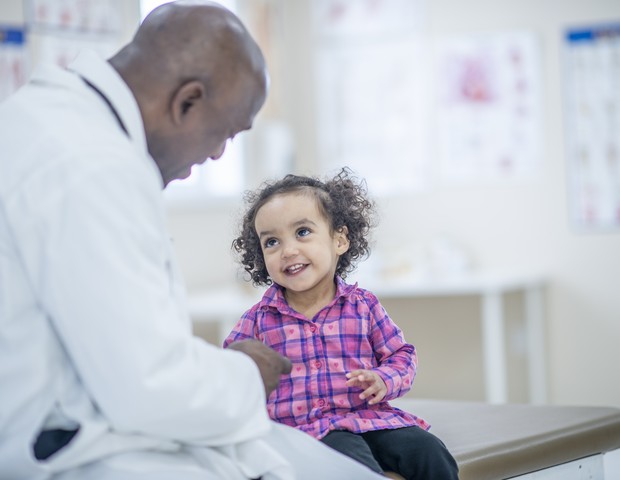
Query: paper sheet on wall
(366, 19)
(13, 60)
(592, 126)
(60, 29)
(372, 116)
(488, 108)
(371, 92)
(61, 48)
(94, 16)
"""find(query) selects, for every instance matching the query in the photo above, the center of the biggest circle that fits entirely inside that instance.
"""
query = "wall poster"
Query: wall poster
(592, 126)
(371, 70)
(13, 60)
(488, 108)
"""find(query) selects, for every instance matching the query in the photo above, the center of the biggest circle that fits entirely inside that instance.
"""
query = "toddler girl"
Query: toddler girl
(302, 236)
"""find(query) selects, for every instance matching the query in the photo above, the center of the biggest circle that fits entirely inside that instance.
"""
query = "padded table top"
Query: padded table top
(500, 441)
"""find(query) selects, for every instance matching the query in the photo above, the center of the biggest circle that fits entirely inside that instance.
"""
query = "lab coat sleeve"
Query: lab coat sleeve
(95, 246)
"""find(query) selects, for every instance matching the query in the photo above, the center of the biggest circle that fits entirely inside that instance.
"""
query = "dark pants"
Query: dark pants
(411, 452)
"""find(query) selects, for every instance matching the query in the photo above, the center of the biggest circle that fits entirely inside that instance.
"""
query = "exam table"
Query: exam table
(529, 442)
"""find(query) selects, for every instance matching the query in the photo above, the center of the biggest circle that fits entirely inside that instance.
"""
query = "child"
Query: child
(302, 236)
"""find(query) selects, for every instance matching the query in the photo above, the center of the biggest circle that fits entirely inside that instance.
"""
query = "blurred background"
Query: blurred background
(489, 135)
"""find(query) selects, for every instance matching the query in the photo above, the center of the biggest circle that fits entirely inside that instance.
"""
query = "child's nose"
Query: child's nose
(289, 250)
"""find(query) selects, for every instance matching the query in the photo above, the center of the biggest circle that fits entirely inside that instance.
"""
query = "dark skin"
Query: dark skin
(199, 79)
(270, 363)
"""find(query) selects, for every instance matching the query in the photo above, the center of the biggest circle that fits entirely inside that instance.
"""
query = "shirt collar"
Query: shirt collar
(274, 296)
(343, 289)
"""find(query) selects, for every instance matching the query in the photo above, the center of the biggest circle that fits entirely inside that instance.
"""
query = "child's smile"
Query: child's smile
(295, 269)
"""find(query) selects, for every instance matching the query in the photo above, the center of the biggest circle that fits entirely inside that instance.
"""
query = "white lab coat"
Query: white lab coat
(93, 327)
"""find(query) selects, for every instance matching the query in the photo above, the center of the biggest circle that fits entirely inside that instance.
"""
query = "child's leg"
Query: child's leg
(412, 452)
(352, 445)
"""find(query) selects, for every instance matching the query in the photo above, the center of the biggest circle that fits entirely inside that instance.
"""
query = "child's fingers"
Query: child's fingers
(376, 392)
(358, 378)
(353, 382)
(373, 389)
(377, 398)
(361, 375)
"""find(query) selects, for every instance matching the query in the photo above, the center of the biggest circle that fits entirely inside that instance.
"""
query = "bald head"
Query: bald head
(195, 40)
(197, 75)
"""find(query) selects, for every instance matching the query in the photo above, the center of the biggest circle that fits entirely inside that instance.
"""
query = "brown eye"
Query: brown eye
(270, 242)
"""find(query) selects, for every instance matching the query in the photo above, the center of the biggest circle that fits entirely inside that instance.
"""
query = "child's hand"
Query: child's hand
(372, 384)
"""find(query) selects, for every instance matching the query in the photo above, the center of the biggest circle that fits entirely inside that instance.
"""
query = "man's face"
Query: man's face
(208, 124)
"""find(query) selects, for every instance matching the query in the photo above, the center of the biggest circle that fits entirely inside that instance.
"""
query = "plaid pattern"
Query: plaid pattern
(352, 332)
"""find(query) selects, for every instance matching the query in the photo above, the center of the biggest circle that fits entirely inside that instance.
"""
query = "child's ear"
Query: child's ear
(342, 240)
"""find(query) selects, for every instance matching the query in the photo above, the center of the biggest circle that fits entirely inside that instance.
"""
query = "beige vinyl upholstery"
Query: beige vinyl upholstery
(493, 442)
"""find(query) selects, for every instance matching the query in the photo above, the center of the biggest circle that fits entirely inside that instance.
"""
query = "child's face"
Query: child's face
(299, 250)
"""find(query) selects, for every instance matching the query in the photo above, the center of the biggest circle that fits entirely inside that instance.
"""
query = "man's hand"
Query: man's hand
(270, 363)
(369, 381)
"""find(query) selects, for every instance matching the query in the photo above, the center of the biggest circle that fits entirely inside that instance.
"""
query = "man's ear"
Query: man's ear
(186, 99)
(342, 240)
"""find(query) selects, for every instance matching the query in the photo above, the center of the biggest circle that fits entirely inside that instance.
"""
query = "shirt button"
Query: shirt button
(313, 328)
(321, 402)
(318, 364)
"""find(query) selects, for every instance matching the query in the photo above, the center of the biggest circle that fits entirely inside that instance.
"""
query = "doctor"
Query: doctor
(100, 376)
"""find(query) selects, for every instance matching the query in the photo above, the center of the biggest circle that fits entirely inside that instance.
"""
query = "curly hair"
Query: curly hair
(342, 200)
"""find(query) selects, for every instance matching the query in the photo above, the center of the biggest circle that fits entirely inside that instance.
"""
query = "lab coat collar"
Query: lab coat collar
(106, 79)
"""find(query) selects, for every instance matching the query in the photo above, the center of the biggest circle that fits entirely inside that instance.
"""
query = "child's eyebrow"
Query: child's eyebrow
(264, 234)
(303, 221)
(297, 223)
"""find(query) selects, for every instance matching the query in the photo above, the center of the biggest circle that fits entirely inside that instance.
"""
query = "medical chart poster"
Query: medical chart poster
(61, 47)
(372, 114)
(355, 20)
(592, 126)
(488, 108)
(60, 29)
(371, 76)
(13, 60)
(92, 16)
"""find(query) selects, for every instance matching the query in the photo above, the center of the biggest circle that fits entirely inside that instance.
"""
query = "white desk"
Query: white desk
(223, 307)
(226, 306)
(491, 289)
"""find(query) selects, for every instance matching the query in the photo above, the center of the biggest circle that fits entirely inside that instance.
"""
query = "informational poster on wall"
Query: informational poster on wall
(13, 60)
(592, 126)
(371, 69)
(488, 108)
(61, 48)
(86, 16)
(60, 29)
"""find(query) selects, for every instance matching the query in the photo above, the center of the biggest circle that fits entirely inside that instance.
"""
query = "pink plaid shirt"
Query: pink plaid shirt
(352, 332)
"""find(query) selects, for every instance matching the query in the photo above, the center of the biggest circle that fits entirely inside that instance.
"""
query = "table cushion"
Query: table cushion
(501, 441)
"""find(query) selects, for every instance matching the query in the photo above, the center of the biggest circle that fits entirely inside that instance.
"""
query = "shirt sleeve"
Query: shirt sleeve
(397, 359)
(101, 262)
(244, 329)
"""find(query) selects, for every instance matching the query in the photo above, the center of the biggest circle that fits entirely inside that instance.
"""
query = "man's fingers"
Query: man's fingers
(287, 366)
(270, 363)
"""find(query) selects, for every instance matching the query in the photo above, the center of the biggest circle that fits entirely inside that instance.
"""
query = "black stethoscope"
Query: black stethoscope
(109, 104)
